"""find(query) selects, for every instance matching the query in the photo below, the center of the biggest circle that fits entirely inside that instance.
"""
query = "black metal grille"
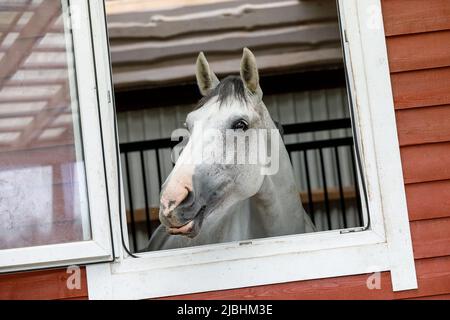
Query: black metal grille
(311, 154)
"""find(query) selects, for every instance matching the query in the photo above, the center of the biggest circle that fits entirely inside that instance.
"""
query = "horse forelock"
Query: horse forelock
(230, 88)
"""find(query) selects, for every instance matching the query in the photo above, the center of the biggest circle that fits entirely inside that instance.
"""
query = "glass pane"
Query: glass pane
(43, 193)
(317, 149)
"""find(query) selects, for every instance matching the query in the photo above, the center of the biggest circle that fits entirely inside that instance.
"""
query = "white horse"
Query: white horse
(204, 202)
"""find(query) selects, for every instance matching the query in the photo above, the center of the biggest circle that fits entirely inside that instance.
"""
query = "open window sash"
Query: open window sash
(87, 88)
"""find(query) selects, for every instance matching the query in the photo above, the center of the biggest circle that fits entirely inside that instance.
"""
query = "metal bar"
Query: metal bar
(130, 197)
(159, 169)
(341, 189)
(358, 196)
(319, 144)
(144, 180)
(148, 145)
(288, 129)
(325, 188)
(308, 185)
(315, 126)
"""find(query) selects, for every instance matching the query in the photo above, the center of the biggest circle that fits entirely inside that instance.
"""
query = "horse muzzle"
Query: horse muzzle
(176, 224)
(183, 206)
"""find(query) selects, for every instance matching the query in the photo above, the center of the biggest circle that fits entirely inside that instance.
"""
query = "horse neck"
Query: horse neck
(277, 206)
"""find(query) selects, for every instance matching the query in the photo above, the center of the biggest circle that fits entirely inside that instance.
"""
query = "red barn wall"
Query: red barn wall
(46, 284)
(418, 39)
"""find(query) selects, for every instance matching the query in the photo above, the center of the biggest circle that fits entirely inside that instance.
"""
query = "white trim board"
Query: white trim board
(386, 246)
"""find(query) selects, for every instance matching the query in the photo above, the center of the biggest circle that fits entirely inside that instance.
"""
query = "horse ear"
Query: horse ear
(249, 71)
(206, 79)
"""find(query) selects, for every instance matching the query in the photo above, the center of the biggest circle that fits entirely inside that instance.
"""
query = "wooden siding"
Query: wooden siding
(433, 279)
(419, 54)
(404, 17)
(421, 198)
(42, 285)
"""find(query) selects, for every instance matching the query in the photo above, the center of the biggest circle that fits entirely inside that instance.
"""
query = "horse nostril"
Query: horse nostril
(188, 201)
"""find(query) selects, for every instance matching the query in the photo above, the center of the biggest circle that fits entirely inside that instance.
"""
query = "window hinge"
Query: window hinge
(345, 36)
(109, 96)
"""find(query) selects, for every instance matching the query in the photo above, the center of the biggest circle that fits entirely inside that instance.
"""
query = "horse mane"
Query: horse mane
(230, 87)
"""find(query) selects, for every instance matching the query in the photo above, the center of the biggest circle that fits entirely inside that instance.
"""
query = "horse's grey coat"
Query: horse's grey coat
(230, 202)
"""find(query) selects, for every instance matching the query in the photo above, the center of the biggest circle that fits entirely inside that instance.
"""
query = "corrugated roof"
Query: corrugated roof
(155, 45)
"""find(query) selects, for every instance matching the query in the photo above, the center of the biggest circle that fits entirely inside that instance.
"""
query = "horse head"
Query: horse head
(219, 165)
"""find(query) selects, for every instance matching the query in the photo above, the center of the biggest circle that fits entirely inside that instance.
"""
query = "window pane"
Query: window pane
(302, 77)
(43, 193)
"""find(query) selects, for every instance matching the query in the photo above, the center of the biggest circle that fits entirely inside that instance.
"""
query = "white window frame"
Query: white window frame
(385, 246)
(99, 248)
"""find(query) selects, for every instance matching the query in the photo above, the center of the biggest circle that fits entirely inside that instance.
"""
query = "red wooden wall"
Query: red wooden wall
(47, 284)
(418, 39)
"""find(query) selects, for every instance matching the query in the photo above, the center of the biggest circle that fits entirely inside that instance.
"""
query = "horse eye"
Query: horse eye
(240, 125)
